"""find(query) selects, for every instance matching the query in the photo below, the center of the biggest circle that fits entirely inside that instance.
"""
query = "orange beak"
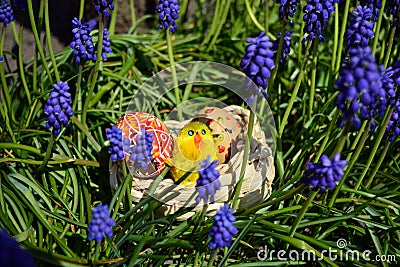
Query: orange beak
(197, 140)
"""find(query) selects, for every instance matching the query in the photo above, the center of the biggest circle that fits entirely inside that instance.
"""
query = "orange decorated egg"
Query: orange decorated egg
(132, 124)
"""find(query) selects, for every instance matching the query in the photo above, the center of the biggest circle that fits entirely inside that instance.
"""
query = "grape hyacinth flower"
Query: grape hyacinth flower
(316, 17)
(393, 128)
(374, 5)
(392, 8)
(223, 229)
(6, 12)
(116, 147)
(360, 87)
(324, 174)
(21, 4)
(258, 60)
(12, 254)
(168, 13)
(104, 6)
(106, 47)
(360, 29)
(58, 107)
(100, 224)
(207, 183)
(285, 48)
(140, 152)
(287, 9)
(82, 43)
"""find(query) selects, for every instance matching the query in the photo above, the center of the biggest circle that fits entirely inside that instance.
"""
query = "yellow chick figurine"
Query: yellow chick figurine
(194, 143)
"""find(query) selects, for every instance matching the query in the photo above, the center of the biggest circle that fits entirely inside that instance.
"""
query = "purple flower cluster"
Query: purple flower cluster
(106, 47)
(374, 5)
(392, 8)
(12, 254)
(324, 174)
(316, 17)
(285, 48)
(100, 224)
(258, 60)
(287, 8)
(6, 12)
(140, 152)
(360, 87)
(207, 183)
(393, 75)
(168, 11)
(58, 107)
(104, 6)
(82, 43)
(223, 229)
(360, 29)
(116, 147)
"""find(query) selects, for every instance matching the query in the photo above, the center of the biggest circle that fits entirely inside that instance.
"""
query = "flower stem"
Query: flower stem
(48, 37)
(113, 21)
(375, 147)
(335, 43)
(277, 59)
(174, 76)
(389, 46)
(295, 91)
(353, 160)
(378, 27)
(37, 40)
(212, 258)
(222, 19)
(341, 37)
(378, 164)
(327, 135)
(47, 156)
(96, 69)
(3, 77)
(246, 152)
(96, 253)
(81, 9)
(313, 78)
(21, 66)
(132, 10)
(301, 213)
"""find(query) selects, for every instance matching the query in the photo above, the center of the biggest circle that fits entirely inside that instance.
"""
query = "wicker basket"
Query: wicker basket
(256, 187)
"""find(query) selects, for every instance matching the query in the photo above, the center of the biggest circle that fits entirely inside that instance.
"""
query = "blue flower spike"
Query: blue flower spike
(168, 11)
(114, 134)
(361, 28)
(208, 182)
(258, 61)
(12, 254)
(100, 224)
(222, 229)
(104, 6)
(58, 108)
(360, 87)
(82, 42)
(316, 17)
(6, 12)
(325, 174)
(140, 152)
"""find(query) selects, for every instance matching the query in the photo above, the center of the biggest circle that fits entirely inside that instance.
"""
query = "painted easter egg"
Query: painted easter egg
(132, 125)
(224, 128)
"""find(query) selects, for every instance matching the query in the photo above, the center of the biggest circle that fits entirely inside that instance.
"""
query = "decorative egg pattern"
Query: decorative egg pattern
(224, 128)
(132, 123)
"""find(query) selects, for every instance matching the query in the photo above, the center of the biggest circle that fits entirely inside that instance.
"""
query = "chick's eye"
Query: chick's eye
(190, 133)
(203, 132)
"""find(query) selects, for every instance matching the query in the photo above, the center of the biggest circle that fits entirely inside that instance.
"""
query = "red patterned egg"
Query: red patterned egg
(133, 123)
